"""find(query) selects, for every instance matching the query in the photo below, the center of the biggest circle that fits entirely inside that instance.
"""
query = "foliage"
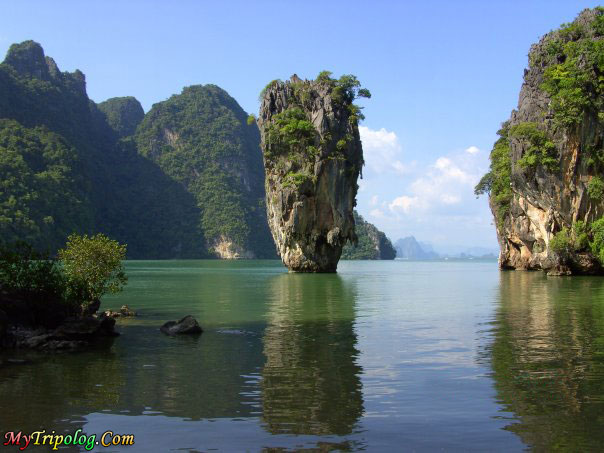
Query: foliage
(346, 90)
(596, 245)
(251, 119)
(372, 244)
(498, 180)
(30, 274)
(201, 140)
(289, 130)
(267, 87)
(68, 171)
(580, 234)
(595, 188)
(574, 73)
(93, 265)
(123, 114)
(562, 244)
(41, 197)
(294, 179)
(540, 151)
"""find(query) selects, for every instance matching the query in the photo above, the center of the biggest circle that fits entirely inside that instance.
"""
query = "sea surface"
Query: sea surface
(382, 356)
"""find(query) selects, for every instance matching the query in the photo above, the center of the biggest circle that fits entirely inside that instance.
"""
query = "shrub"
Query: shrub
(30, 274)
(595, 188)
(498, 180)
(597, 243)
(93, 266)
(561, 244)
(540, 150)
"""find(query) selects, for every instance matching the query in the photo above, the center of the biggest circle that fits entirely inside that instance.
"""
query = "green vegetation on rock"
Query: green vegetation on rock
(540, 151)
(123, 114)
(372, 244)
(595, 188)
(497, 181)
(575, 58)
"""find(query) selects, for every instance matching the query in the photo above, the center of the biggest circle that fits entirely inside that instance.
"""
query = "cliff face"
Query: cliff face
(202, 140)
(545, 185)
(372, 244)
(312, 158)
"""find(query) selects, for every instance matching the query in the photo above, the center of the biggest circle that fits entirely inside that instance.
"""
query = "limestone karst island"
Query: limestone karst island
(276, 227)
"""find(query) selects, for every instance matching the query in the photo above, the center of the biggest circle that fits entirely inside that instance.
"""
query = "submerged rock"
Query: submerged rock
(545, 185)
(312, 158)
(186, 326)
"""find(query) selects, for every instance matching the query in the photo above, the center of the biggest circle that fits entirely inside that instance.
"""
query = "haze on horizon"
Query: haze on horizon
(443, 77)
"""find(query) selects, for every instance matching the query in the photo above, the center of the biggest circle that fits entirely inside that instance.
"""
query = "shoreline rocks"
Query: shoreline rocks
(73, 334)
(185, 326)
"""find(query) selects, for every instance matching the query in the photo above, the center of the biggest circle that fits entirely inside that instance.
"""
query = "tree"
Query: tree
(93, 266)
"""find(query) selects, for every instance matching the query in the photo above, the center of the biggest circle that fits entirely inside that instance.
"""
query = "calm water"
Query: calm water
(383, 356)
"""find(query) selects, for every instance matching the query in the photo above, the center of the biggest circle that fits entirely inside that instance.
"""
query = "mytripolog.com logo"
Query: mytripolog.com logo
(107, 439)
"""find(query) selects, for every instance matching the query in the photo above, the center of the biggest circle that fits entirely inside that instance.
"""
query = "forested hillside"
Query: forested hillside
(372, 243)
(70, 165)
(201, 139)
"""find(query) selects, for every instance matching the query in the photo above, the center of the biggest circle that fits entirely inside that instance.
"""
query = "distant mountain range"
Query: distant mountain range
(410, 249)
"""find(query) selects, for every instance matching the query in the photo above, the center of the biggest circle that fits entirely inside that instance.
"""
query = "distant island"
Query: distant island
(409, 248)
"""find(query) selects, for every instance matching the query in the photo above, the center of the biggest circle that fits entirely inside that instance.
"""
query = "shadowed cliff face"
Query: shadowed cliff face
(546, 167)
(312, 158)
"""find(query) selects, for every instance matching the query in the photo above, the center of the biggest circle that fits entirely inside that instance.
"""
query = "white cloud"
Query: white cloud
(377, 213)
(448, 181)
(450, 199)
(404, 204)
(382, 151)
(472, 150)
(374, 200)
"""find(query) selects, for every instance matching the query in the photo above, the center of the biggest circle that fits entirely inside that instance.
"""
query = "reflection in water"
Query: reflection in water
(548, 359)
(311, 380)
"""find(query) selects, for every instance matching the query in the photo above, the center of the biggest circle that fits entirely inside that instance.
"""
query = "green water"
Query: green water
(383, 356)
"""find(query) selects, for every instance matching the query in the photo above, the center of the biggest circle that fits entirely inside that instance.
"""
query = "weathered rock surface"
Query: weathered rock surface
(186, 326)
(544, 201)
(74, 333)
(311, 174)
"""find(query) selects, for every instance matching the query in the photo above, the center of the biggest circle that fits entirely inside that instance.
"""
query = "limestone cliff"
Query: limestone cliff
(545, 185)
(312, 157)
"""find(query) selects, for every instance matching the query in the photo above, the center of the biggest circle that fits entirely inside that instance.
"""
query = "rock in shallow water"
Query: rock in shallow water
(312, 157)
(186, 326)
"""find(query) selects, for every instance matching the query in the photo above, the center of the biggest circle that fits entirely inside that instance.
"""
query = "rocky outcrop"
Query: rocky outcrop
(372, 244)
(73, 334)
(312, 159)
(546, 167)
(186, 326)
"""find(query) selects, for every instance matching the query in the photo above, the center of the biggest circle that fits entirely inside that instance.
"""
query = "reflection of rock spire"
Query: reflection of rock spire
(545, 359)
(311, 382)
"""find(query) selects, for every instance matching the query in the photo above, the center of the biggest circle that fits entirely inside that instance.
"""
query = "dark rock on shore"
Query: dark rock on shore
(125, 312)
(72, 334)
(186, 326)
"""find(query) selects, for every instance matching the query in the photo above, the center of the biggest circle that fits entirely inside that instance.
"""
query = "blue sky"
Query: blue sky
(443, 75)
